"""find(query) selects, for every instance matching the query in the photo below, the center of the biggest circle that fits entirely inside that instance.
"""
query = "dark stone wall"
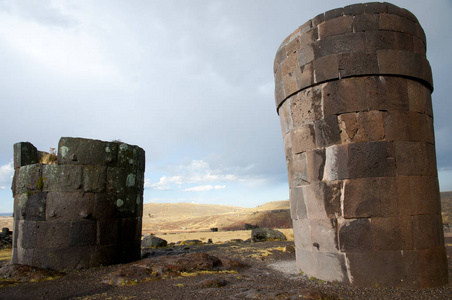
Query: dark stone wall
(84, 211)
(352, 89)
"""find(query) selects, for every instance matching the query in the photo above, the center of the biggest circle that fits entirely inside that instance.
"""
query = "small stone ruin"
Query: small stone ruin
(353, 93)
(81, 209)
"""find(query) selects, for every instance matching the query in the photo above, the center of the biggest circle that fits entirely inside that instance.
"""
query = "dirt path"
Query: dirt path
(270, 275)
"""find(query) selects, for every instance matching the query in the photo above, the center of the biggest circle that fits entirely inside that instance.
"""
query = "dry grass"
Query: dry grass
(5, 255)
(217, 237)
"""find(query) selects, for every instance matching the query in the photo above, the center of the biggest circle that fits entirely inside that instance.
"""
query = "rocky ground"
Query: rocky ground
(242, 271)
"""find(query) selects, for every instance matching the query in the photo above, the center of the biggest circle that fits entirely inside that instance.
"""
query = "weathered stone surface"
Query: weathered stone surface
(72, 214)
(267, 234)
(357, 123)
(153, 241)
(25, 154)
(86, 152)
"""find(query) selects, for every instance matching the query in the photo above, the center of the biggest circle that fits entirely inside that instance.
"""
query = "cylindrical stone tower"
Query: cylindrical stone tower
(82, 211)
(353, 90)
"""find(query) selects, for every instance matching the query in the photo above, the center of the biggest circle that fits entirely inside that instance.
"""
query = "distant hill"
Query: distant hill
(446, 207)
(161, 217)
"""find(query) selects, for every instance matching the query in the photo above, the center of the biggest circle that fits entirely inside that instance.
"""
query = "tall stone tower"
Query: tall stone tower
(82, 211)
(352, 89)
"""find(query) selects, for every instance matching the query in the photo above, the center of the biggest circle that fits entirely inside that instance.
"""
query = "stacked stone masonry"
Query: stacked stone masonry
(352, 89)
(83, 211)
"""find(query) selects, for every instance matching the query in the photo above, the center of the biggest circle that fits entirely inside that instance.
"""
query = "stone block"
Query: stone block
(355, 235)
(303, 138)
(327, 131)
(415, 159)
(107, 231)
(103, 256)
(306, 106)
(290, 84)
(305, 55)
(323, 47)
(25, 154)
(61, 178)
(290, 64)
(279, 93)
(302, 234)
(386, 93)
(378, 40)
(425, 196)
(26, 234)
(126, 205)
(292, 46)
(372, 159)
(419, 46)
(366, 22)
(305, 77)
(402, 126)
(297, 171)
(86, 152)
(320, 18)
(82, 233)
(361, 127)
(427, 231)
(326, 68)
(123, 181)
(334, 13)
(309, 37)
(297, 203)
(23, 256)
(323, 265)
(370, 197)
(375, 8)
(349, 43)
(315, 164)
(104, 206)
(389, 61)
(411, 64)
(323, 199)
(324, 235)
(343, 96)
(404, 42)
(404, 206)
(29, 179)
(31, 206)
(357, 63)
(336, 166)
(129, 231)
(129, 252)
(336, 26)
(69, 258)
(285, 116)
(52, 234)
(94, 178)
(392, 233)
(354, 9)
(426, 132)
(432, 267)
(288, 146)
(391, 268)
(418, 97)
(70, 206)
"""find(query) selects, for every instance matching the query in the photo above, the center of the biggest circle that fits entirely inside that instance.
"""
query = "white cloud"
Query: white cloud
(204, 188)
(6, 174)
(199, 172)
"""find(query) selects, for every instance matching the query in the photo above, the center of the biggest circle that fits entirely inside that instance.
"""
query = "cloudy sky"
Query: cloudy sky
(189, 81)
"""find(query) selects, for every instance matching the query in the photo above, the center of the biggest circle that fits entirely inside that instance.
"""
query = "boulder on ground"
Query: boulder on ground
(153, 241)
(250, 227)
(267, 234)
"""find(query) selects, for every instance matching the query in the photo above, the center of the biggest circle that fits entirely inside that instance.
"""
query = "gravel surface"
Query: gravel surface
(270, 274)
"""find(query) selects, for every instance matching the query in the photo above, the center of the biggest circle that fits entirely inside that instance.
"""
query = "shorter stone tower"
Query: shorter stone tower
(82, 211)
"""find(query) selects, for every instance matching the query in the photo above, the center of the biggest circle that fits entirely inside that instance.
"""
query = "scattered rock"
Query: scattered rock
(6, 238)
(212, 283)
(267, 234)
(236, 241)
(214, 229)
(250, 227)
(157, 267)
(153, 241)
(191, 242)
(289, 249)
(22, 273)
